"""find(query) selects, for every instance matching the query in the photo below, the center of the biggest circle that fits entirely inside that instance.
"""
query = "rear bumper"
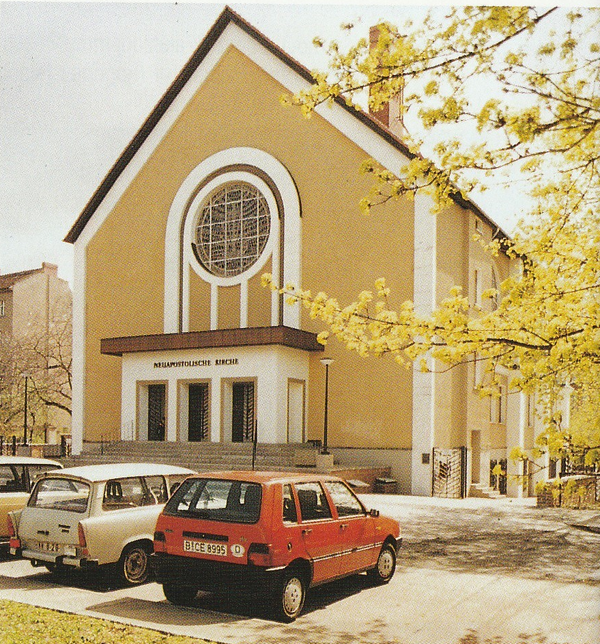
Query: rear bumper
(209, 575)
(41, 558)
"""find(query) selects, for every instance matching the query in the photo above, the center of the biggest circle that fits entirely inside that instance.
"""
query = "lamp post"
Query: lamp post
(26, 375)
(326, 362)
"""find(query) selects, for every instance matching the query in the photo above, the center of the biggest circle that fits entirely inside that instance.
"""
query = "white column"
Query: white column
(423, 412)
(215, 410)
(78, 393)
(516, 423)
(172, 410)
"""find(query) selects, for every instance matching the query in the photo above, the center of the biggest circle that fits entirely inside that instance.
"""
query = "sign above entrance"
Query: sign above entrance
(196, 363)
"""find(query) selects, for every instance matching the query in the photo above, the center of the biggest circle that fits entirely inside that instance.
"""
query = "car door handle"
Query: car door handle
(307, 531)
(44, 532)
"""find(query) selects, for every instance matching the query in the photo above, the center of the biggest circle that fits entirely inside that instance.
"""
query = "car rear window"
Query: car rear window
(216, 500)
(60, 494)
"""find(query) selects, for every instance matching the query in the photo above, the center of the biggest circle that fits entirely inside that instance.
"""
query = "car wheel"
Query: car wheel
(386, 565)
(289, 596)
(179, 595)
(134, 565)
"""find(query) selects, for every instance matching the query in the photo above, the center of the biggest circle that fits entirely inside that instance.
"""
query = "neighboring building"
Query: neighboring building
(175, 339)
(30, 302)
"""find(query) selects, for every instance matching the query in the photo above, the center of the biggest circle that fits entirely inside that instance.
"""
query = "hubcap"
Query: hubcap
(135, 565)
(292, 596)
(386, 564)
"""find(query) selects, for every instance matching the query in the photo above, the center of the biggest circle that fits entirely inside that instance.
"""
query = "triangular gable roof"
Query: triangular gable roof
(229, 16)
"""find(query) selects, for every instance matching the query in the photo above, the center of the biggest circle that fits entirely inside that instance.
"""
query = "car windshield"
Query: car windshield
(217, 500)
(60, 494)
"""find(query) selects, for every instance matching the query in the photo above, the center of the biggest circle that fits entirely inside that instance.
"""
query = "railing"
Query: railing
(12, 447)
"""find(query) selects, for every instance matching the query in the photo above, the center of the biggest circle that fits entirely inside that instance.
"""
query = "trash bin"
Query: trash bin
(385, 485)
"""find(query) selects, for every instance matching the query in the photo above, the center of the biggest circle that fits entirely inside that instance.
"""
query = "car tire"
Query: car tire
(134, 565)
(289, 596)
(386, 565)
(179, 595)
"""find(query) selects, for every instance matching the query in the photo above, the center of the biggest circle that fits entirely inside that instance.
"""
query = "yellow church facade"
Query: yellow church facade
(175, 338)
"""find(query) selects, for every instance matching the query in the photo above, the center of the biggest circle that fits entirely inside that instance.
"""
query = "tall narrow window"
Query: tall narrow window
(477, 288)
(495, 286)
(498, 406)
(2, 308)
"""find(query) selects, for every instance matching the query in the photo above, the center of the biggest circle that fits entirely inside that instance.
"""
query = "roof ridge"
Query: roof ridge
(229, 15)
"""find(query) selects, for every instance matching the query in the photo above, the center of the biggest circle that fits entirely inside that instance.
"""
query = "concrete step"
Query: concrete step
(481, 491)
(197, 456)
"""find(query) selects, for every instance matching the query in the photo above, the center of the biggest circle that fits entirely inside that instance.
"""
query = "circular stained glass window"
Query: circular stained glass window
(232, 229)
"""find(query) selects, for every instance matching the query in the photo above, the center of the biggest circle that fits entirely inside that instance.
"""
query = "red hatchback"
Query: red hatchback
(275, 533)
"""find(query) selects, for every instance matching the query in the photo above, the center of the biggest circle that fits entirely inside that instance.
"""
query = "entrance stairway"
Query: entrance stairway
(481, 491)
(197, 456)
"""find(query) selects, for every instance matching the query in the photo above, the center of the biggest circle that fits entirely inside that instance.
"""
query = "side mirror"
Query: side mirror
(374, 513)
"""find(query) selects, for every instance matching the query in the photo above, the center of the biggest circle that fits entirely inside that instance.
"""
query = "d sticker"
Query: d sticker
(237, 550)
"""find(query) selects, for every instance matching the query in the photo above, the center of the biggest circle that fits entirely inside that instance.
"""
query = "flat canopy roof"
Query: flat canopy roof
(222, 338)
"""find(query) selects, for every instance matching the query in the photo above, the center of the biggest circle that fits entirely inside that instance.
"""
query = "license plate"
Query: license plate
(46, 546)
(205, 548)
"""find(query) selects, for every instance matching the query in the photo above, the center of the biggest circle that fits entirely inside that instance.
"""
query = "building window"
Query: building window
(477, 287)
(232, 229)
(498, 406)
(2, 309)
(496, 287)
(530, 410)
(477, 370)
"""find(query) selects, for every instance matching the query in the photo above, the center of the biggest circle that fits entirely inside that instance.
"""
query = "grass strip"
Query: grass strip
(24, 624)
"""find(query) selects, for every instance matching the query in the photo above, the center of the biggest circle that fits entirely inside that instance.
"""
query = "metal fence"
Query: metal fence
(450, 473)
(12, 446)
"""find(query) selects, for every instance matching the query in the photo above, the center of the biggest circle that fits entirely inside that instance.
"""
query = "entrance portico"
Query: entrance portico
(215, 385)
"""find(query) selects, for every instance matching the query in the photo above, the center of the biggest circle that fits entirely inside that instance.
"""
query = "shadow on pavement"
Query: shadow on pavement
(527, 542)
(224, 608)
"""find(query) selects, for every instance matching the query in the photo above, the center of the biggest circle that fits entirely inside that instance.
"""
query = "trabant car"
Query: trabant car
(94, 515)
(17, 476)
(276, 534)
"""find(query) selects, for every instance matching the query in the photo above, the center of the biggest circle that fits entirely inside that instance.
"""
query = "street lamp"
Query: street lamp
(326, 362)
(26, 376)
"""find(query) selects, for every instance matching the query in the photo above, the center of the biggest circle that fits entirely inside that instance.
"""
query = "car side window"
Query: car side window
(313, 502)
(12, 479)
(123, 493)
(344, 500)
(156, 490)
(290, 514)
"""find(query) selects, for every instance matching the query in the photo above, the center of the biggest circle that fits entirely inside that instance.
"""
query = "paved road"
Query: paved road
(471, 572)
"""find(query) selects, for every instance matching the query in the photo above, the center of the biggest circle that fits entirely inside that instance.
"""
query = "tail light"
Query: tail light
(82, 542)
(14, 541)
(160, 542)
(259, 554)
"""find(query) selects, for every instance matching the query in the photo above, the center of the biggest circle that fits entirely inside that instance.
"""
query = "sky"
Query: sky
(78, 79)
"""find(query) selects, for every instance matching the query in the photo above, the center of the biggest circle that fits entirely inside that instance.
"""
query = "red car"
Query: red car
(273, 533)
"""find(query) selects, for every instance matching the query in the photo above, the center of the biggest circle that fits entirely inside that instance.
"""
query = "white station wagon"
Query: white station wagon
(93, 515)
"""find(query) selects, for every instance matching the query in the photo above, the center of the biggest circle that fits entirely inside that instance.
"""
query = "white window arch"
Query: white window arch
(264, 175)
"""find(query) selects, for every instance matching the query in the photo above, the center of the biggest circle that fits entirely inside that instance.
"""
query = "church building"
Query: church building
(177, 340)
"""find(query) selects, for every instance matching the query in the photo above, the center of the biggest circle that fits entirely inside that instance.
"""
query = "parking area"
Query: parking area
(470, 572)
